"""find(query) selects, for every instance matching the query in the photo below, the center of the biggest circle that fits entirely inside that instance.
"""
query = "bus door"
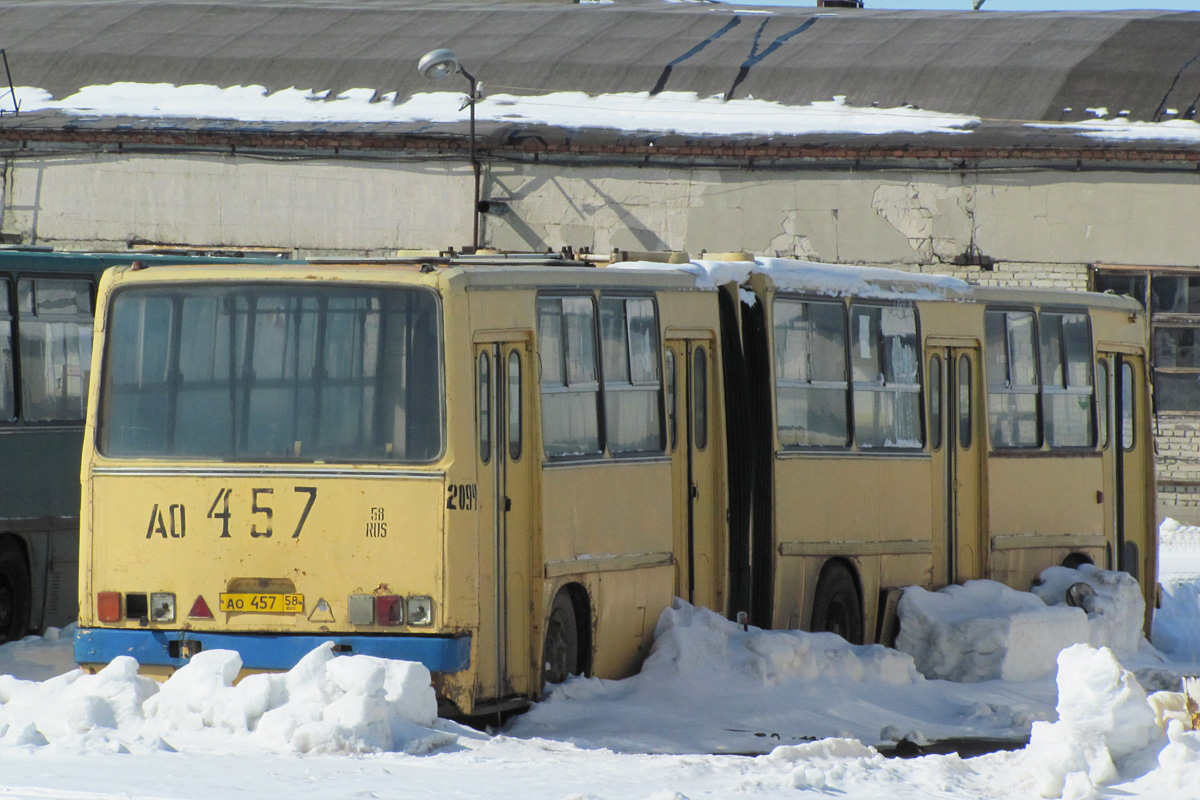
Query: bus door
(690, 440)
(956, 423)
(1123, 436)
(505, 504)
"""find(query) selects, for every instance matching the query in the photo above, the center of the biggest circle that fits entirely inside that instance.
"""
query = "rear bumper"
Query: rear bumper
(262, 651)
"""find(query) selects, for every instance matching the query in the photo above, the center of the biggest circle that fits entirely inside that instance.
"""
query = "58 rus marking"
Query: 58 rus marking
(171, 521)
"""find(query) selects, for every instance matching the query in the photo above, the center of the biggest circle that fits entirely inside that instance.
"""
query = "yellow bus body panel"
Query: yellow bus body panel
(367, 533)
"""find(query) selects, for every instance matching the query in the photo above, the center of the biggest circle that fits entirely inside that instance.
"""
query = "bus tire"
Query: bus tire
(837, 608)
(560, 653)
(14, 593)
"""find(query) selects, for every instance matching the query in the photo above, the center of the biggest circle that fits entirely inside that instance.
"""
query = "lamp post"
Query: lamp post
(442, 63)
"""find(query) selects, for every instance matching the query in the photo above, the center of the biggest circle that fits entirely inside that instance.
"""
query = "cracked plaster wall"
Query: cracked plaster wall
(902, 218)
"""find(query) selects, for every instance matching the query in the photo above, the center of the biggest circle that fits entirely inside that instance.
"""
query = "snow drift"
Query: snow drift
(325, 704)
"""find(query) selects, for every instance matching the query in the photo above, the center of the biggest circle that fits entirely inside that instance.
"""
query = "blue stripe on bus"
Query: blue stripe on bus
(261, 651)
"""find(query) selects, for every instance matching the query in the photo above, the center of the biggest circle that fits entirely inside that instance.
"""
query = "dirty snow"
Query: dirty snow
(356, 726)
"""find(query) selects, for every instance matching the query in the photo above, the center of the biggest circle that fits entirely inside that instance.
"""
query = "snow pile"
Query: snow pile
(1176, 630)
(1103, 719)
(325, 704)
(983, 630)
(825, 766)
(692, 642)
(39, 657)
(1115, 612)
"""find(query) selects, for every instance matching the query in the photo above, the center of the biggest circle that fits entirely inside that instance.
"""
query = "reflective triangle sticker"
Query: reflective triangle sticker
(322, 613)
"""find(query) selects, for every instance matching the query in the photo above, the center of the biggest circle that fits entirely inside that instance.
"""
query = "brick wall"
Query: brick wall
(1178, 467)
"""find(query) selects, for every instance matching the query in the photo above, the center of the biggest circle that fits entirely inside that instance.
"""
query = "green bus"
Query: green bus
(47, 300)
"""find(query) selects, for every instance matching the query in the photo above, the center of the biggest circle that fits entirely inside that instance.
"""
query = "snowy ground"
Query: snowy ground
(807, 713)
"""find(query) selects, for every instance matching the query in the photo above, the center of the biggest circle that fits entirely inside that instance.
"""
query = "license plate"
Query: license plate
(262, 603)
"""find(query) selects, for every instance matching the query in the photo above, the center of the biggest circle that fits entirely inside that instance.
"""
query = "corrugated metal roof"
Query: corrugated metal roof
(1005, 67)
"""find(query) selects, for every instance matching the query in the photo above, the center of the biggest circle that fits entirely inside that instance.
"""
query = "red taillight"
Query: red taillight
(389, 609)
(108, 606)
(200, 609)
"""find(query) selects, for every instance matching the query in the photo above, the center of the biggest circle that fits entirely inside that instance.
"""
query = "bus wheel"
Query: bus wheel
(560, 656)
(837, 607)
(14, 593)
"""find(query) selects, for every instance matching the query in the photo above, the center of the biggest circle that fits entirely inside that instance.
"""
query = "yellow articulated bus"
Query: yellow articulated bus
(505, 467)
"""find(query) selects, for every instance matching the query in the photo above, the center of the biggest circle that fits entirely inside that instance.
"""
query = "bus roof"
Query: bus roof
(533, 271)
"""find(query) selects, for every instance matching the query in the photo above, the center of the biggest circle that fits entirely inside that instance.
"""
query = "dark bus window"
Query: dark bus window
(700, 398)
(514, 405)
(1128, 411)
(935, 402)
(1102, 390)
(964, 402)
(485, 407)
(8, 400)
(671, 398)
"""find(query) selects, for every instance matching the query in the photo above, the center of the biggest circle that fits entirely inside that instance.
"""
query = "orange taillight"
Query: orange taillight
(108, 606)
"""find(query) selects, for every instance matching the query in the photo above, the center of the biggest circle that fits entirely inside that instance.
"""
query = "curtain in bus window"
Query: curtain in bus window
(570, 389)
(887, 389)
(1066, 347)
(1012, 379)
(810, 373)
(280, 373)
(632, 389)
(55, 335)
(8, 401)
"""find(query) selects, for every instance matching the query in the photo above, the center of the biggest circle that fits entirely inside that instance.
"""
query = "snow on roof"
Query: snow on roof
(647, 68)
(675, 112)
(811, 277)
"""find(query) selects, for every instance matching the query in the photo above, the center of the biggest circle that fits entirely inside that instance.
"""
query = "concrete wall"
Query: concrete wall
(1042, 227)
(881, 217)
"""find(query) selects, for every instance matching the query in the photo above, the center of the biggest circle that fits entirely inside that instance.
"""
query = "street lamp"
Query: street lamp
(442, 63)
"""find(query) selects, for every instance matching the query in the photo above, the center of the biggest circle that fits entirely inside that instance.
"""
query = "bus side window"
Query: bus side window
(55, 332)
(671, 399)
(700, 398)
(1066, 345)
(885, 366)
(1012, 379)
(632, 386)
(8, 400)
(1102, 390)
(964, 402)
(570, 384)
(514, 405)
(935, 402)
(485, 407)
(810, 373)
(1128, 430)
